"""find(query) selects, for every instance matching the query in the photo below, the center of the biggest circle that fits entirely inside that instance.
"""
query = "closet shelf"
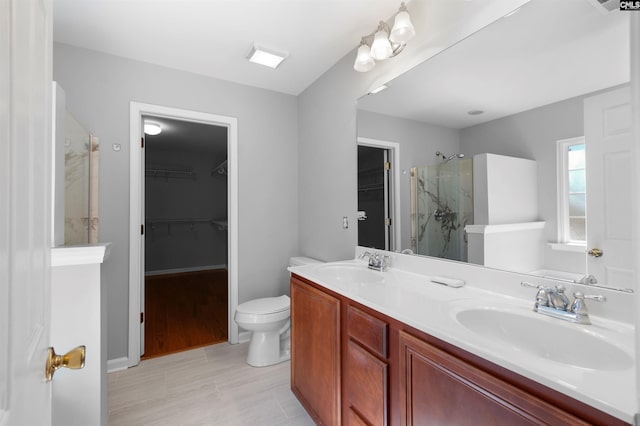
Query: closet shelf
(220, 223)
(372, 187)
(170, 173)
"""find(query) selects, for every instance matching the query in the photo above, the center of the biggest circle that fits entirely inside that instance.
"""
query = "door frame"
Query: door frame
(136, 212)
(394, 200)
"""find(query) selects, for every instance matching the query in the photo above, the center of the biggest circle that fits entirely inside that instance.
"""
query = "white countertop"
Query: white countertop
(82, 254)
(432, 308)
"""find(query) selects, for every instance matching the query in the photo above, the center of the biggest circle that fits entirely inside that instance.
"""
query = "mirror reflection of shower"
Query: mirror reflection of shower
(439, 213)
(442, 205)
(446, 159)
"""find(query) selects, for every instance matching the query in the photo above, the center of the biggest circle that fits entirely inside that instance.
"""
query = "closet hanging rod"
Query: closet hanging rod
(185, 220)
(169, 173)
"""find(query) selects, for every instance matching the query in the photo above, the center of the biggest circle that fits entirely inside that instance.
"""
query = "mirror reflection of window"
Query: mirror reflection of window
(577, 192)
(572, 204)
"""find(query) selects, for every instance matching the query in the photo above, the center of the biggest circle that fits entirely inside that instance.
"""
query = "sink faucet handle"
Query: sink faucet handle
(365, 254)
(596, 297)
(579, 306)
(542, 297)
(528, 284)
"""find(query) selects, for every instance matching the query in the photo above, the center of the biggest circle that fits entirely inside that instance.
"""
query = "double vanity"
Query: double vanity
(394, 348)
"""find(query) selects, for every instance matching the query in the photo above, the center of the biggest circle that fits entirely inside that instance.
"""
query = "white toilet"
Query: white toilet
(268, 320)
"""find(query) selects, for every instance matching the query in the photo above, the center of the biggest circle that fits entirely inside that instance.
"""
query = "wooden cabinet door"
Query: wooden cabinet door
(437, 388)
(315, 351)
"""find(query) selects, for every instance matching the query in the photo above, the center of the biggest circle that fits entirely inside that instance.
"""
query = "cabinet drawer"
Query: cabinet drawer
(367, 386)
(368, 330)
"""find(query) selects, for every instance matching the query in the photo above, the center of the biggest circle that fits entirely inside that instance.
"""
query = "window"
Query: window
(572, 191)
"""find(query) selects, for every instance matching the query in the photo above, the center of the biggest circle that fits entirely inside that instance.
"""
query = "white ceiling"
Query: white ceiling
(546, 52)
(213, 37)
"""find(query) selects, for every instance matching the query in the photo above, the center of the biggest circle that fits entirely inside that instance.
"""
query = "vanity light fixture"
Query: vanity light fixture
(151, 128)
(385, 42)
(267, 57)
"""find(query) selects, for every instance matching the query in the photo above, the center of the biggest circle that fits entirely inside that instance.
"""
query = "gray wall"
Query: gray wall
(418, 145)
(99, 88)
(203, 195)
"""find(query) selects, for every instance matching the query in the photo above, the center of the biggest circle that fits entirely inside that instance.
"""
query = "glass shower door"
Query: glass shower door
(81, 184)
(442, 205)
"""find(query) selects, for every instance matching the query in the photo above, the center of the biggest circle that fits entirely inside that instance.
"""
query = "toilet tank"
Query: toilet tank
(301, 260)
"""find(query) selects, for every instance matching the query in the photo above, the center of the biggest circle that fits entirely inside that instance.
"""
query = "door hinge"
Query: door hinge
(387, 221)
(387, 165)
(141, 142)
(141, 229)
(141, 317)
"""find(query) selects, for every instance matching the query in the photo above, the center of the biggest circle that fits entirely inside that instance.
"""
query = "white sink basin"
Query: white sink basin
(350, 273)
(553, 339)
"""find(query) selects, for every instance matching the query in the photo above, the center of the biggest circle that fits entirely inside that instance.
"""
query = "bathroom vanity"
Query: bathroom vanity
(392, 348)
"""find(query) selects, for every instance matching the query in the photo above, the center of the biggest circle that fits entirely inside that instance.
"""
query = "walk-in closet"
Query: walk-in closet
(185, 193)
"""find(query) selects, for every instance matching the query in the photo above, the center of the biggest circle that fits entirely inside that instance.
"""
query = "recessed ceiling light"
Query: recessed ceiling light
(267, 57)
(152, 129)
(378, 89)
(476, 112)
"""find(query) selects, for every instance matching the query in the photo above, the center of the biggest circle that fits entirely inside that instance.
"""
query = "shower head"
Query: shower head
(446, 159)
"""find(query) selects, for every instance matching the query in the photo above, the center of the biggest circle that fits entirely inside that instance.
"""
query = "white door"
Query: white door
(608, 137)
(25, 183)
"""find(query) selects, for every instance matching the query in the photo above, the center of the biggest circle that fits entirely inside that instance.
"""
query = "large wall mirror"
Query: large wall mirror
(515, 146)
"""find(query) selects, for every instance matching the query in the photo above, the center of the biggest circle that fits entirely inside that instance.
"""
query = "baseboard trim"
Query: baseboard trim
(180, 270)
(117, 364)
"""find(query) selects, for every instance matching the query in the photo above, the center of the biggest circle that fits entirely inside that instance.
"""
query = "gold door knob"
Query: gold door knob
(73, 359)
(595, 252)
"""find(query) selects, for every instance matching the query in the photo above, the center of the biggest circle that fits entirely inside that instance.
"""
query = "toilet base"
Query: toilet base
(268, 349)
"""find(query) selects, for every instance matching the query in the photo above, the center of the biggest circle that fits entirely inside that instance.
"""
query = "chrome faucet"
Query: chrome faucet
(553, 302)
(377, 261)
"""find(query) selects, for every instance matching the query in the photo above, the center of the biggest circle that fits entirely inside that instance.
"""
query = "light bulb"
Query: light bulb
(364, 61)
(152, 128)
(381, 47)
(402, 30)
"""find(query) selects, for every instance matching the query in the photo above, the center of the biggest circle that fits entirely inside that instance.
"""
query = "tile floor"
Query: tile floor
(206, 386)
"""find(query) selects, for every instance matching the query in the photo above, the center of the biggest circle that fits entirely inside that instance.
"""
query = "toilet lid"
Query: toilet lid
(267, 305)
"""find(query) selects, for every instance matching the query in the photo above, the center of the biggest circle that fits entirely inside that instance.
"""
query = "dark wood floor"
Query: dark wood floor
(185, 311)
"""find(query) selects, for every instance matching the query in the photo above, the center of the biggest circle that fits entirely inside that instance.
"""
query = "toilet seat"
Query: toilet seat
(264, 306)
(265, 310)
(242, 317)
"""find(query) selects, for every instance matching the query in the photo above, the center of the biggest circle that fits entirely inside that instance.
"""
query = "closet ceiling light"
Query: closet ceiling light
(385, 42)
(267, 57)
(152, 129)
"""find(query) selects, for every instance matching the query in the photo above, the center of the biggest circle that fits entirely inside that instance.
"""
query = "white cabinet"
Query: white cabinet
(78, 317)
